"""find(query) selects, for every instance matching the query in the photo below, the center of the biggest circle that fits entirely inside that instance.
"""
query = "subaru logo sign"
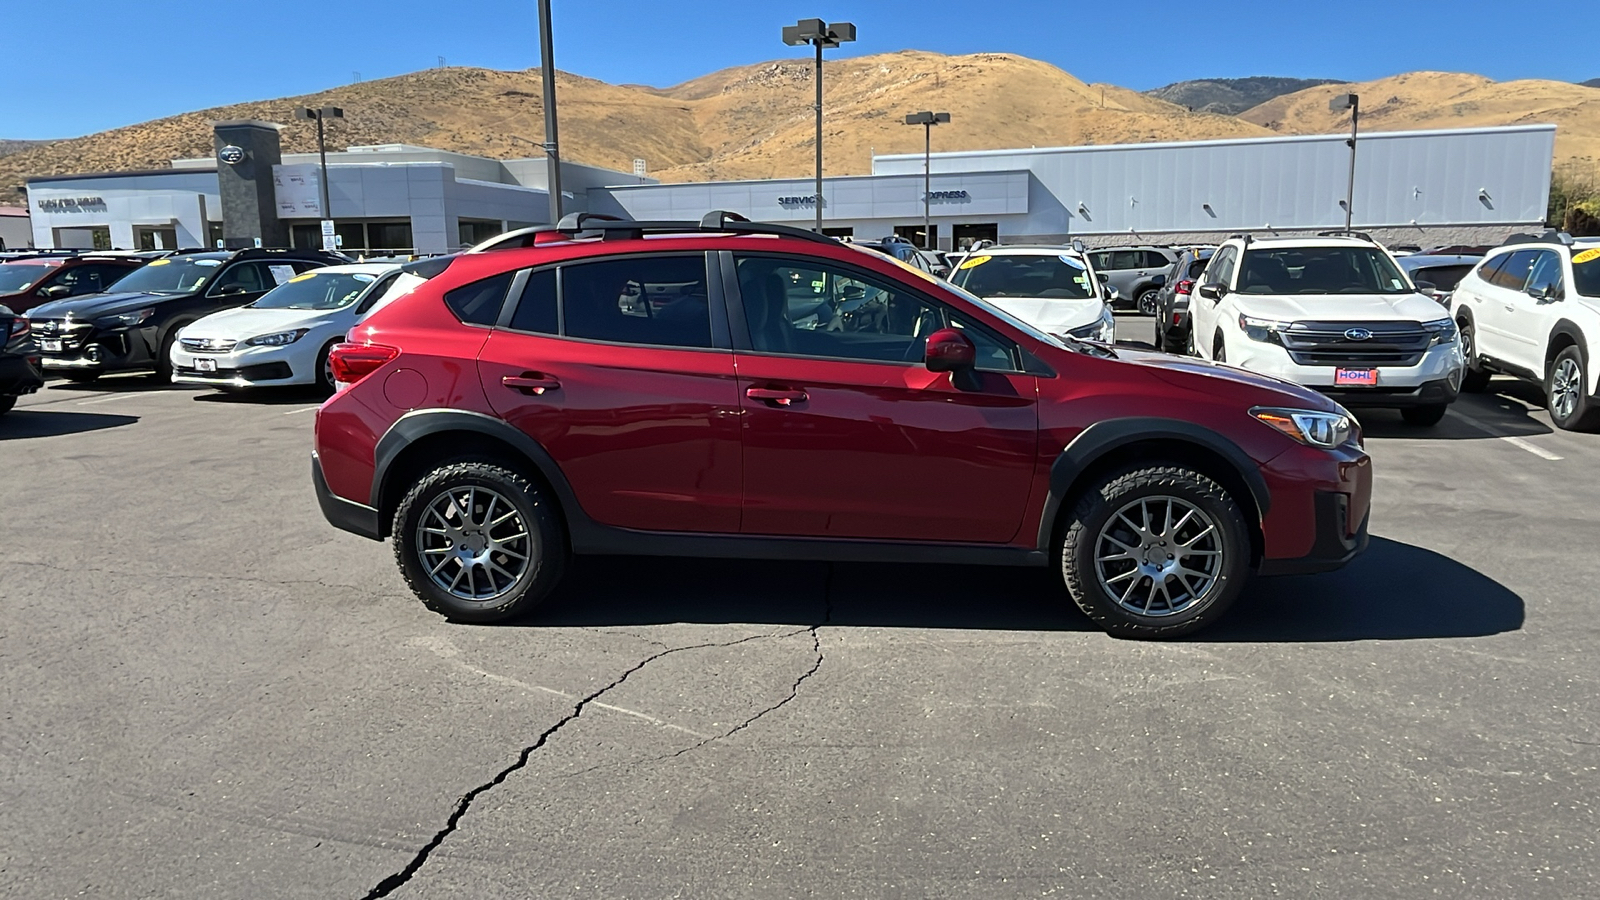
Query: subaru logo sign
(231, 155)
(1358, 334)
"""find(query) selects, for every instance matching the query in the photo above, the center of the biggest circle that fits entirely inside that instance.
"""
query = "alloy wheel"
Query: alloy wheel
(474, 544)
(1158, 555)
(1565, 383)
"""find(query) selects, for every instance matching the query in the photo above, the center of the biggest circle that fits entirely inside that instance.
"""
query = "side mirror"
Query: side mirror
(1158, 281)
(56, 290)
(1104, 278)
(1212, 291)
(1550, 293)
(1114, 295)
(949, 350)
(232, 289)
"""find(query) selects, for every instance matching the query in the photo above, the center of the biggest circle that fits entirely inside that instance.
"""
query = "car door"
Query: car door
(1494, 315)
(615, 367)
(239, 284)
(848, 435)
(1534, 311)
(1202, 309)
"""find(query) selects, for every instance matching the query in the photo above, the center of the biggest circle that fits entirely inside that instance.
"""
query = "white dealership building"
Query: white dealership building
(1413, 187)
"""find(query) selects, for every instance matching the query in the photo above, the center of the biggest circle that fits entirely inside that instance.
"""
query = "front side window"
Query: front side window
(657, 300)
(1544, 280)
(317, 290)
(173, 275)
(1320, 270)
(244, 278)
(805, 308)
(1058, 277)
(1220, 270)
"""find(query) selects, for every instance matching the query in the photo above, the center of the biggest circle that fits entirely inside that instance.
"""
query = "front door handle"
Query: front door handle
(776, 396)
(531, 382)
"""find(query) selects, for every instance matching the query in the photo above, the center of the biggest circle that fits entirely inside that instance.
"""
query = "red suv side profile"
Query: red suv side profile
(730, 389)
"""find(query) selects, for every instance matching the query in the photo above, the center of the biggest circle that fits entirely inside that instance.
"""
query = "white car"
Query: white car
(284, 337)
(1332, 313)
(1054, 289)
(1531, 309)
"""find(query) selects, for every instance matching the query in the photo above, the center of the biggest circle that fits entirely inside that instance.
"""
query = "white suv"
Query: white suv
(1532, 309)
(1332, 313)
(1054, 289)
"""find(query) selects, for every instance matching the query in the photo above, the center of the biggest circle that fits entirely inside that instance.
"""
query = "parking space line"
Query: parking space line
(1510, 439)
(296, 412)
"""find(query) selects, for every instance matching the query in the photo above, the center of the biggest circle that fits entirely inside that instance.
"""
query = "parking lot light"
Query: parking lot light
(819, 34)
(1341, 103)
(326, 112)
(927, 120)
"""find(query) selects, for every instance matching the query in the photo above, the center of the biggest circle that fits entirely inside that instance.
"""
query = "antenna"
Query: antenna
(441, 62)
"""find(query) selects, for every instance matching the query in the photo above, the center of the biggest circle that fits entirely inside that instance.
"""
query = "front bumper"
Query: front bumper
(19, 375)
(1335, 543)
(1320, 502)
(1436, 378)
(248, 366)
(1432, 393)
(356, 518)
(100, 351)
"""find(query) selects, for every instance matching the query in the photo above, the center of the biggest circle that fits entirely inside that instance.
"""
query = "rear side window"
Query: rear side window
(479, 303)
(1155, 259)
(536, 308)
(657, 300)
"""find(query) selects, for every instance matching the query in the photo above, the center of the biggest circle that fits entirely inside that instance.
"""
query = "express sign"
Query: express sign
(73, 204)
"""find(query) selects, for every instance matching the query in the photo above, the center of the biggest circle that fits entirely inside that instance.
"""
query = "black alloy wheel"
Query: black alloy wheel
(1147, 301)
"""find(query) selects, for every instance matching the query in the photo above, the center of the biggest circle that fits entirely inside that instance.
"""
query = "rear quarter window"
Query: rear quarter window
(479, 303)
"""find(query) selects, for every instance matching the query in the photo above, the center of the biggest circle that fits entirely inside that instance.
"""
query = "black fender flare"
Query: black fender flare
(1104, 437)
(1566, 328)
(420, 423)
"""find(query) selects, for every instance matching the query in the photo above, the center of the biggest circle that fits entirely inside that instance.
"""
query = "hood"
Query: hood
(93, 306)
(1200, 374)
(244, 322)
(1340, 307)
(1050, 314)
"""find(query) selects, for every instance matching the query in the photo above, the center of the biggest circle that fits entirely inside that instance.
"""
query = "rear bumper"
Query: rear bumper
(1335, 542)
(18, 376)
(347, 515)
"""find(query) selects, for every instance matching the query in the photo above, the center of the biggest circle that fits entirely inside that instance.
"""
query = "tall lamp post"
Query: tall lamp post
(1340, 103)
(927, 120)
(552, 154)
(326, 112)
(819, 34)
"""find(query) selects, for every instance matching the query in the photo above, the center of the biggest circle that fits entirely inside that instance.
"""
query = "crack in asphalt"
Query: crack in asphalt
(394, 882)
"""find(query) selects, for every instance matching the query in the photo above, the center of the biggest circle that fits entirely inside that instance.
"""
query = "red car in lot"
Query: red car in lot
(729, 389)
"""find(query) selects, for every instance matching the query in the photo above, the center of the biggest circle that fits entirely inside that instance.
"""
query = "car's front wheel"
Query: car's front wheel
(478, 542)
(1155, 552)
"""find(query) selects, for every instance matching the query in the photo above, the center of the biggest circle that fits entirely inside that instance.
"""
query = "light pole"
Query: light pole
(927, 120)
(552, 155)
(326, 112)
(819, 34)
(1340, 103)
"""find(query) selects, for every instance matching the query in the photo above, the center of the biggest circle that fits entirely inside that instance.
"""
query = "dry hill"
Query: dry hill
(749, 121)
(1448, 100)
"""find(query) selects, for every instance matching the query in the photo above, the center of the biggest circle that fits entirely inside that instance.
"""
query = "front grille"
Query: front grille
(207, 345)
(70, 332)
(1329, 343)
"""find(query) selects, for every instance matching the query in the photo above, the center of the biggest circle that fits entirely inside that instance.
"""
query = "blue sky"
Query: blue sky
(77, 66)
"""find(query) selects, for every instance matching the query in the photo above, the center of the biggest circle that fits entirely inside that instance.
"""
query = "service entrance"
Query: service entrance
(155, 237)
(967, 235)
(913, 233)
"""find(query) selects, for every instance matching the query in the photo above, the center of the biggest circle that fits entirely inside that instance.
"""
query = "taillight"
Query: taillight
(1184, 286)
(353, 362)
(20, 327)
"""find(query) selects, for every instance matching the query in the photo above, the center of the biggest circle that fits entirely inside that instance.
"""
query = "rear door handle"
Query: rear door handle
(776, 396)
(531, 382)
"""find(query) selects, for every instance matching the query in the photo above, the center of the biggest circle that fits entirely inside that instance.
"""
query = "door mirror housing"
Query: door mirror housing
(232, 289)
(56, 290)
(1104, 278)
(949, 350)
(1550, 293)
(1212, 291)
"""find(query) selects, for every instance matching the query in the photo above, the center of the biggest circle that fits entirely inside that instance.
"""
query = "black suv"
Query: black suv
(29, 280)
(19, 360)
(133, 327)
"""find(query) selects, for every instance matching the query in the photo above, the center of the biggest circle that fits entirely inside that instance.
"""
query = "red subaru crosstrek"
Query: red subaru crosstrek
(729, 389)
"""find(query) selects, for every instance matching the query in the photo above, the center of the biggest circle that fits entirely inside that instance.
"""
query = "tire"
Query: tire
(164, 358)
(6, 403)
(1099, 530)
(1188, 344)
(1474, 380)
(1566, 386)
(81, 377)
(1424, 416)
(511, 592)
(324, 376)
(1147, 301)
(1219, 349)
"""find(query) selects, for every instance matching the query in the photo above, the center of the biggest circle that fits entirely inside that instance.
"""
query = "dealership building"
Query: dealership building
(1414, 187)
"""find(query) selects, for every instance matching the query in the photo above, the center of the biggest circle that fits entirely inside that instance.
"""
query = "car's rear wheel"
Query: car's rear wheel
(1475, 380)
(1155, 552)
(478, 542)
(1147, 301)
(1571, 407)
(1424, 416)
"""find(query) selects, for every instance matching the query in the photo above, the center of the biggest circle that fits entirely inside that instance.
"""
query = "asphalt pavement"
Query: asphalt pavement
(209, 692)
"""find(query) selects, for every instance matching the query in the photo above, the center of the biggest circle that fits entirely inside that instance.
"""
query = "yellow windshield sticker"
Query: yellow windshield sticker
(975, 262)
(303, 276)
(159, 262)
(1586, 256)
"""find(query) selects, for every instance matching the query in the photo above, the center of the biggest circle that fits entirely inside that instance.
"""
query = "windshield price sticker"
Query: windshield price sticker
(1589, 255)
(303, 276)
(160, 262)
(976, 261)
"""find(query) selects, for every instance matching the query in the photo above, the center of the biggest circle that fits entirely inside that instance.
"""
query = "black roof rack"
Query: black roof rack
(1345, 232)
(1549, 237)
(612, 228)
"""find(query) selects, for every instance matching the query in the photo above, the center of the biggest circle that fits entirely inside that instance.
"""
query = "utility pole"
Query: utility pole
(326, 112)
(927, 120)
(552, 152)
(819, 34)
(1351, 102)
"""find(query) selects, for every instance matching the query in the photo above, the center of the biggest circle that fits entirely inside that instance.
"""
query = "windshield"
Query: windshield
(1320, 270)
(1024, 327)
(175, 275)
(21, 276)
(317, 290)
(1016, 275)
(1586, 272)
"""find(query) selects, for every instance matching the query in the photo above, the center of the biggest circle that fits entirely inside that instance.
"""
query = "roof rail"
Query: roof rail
(1551, 236)
(1345, 232)
(611, 228)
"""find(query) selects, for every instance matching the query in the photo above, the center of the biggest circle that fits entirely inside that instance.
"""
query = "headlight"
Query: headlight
(1314, 429)
(1263, 330)
(1103, 329)
(1443, 331)
(278, 339)
(125, 320)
